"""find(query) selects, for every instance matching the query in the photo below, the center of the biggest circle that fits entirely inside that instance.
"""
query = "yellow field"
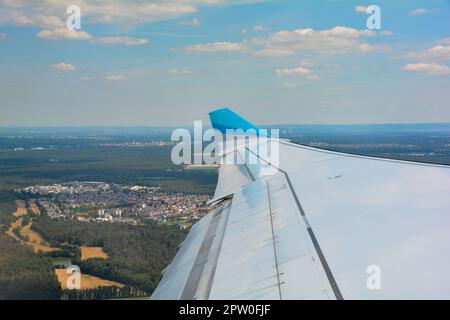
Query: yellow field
(93, 252)
(14, 225)
(34, 208)
(34, 239)
(21, 210)
(87, 281)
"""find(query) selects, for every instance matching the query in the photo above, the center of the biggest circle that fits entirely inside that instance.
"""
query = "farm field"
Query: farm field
(93, 253)
(87, 281)
(34, 208)
(27, 236)
(21, 209)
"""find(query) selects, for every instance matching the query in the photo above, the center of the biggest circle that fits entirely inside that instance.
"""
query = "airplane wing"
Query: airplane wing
(324, 225)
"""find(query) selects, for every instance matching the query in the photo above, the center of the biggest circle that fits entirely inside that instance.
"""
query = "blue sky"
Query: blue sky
(171, 62)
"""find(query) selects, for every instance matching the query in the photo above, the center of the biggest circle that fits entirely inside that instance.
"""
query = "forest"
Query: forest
(145, 166)
(102, 293)
(137, 254)
(24, 274)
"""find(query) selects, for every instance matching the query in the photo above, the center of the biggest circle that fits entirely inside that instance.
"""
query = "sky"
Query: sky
(168, 63)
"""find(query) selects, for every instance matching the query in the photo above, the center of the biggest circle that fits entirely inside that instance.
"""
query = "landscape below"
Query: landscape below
(123, 230)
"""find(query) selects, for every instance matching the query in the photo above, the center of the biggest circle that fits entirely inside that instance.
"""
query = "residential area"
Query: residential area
(100, 201)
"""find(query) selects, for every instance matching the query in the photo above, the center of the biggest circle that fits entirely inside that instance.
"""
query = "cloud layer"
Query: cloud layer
(128, 41)
(64, 67)
(64, 33)
(361, 8)
(439, 52)
(40, 20)
(286, 43)
(115, 77)
(131, 12)
(427, 68)
(420, 11)
(68, 34)
(214, 47)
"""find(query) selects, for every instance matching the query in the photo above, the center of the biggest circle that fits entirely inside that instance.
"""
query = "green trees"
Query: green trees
(25, 275)
(137, 254)
(101, 293)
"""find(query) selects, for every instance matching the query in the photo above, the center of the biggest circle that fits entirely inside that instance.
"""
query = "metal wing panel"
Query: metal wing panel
(368, 211)
(301, 274)
(266, 252)
(231, 178)
(246, 267)
(312, 230)
(177, 273)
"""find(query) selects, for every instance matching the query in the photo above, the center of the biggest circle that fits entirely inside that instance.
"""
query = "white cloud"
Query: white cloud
(444, 41)
(115, 77)
(86, 78)
(132, 12)
(420, 11)
(67, 34)
(125, 12)
(64, 66)
(336, 40)
(181, 71)
(274, 52)
(292, 71)
(307, 73)
(129, 12)
(3, 36)
(439, 52)
(128, 41)
(196, 22)
(259, 28)
(360, 8)
(192, 23)
(285, 43)
(214, 47)
(40, 20)
(244, 31)
(427, 68)
(291, 85)
(64, 33)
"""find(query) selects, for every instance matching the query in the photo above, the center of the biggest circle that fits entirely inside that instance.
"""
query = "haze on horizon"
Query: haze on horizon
(274, 62)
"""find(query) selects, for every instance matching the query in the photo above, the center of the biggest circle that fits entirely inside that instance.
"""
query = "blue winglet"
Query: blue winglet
(223, 119)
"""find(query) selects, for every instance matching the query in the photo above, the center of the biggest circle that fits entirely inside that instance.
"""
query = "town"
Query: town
(107, 202)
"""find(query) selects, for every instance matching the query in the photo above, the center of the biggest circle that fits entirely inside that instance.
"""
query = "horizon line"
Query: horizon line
(190, 125)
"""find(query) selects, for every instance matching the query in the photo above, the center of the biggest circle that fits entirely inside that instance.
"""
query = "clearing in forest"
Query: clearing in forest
(87, 281)
(34, 208)
(93, 252)
(21, 209)
(33, 239)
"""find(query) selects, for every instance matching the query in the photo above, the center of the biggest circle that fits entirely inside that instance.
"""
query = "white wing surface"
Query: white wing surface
(326, 225)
